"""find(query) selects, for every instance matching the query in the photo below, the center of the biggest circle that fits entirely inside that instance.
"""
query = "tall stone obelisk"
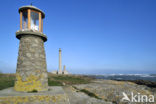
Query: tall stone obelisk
(31, 72)
(60, 62)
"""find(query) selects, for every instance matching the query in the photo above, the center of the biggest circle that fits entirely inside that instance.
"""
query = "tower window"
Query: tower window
(34, 20)
(25, 20)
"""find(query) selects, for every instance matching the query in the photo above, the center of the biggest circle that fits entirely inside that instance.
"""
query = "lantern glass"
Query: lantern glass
(25, 20)
(34, 20)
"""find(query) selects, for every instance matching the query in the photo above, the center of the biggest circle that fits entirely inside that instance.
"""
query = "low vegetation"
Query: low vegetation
(147, 83)
(89, 93)
(59, 80)
(150, 84)
(7, 80)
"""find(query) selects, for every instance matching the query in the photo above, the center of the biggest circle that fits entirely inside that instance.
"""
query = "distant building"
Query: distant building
(64, 70)
(59, 71)
(54, 72)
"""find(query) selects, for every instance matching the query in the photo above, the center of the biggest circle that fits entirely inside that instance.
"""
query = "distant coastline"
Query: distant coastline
(141, 79)
(146, 77)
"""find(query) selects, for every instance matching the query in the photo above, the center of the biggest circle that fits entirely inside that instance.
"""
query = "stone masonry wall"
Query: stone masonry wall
(31, 72)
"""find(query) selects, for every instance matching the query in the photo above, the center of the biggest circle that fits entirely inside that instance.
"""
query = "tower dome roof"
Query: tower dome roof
(31, 7)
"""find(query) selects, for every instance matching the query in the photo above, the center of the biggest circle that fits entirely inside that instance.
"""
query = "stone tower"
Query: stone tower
(60, 62)
(31, 72)
(64, 70)
(64, 67)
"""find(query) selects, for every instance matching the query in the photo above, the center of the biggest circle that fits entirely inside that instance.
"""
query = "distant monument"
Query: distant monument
(59, 71)
(31, 72)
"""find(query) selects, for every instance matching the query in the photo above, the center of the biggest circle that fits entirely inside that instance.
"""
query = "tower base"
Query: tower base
(55, 95)
(31, 72)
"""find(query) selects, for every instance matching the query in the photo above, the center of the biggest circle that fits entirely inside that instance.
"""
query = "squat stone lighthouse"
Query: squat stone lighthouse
(31, 72)
(60, 62)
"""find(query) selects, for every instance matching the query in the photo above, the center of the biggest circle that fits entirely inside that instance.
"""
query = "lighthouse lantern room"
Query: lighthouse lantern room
(31, 18)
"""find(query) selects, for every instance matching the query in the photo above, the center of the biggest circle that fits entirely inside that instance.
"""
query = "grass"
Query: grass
(89, 93)
(54, 83)
(7, 80)
(68, 79)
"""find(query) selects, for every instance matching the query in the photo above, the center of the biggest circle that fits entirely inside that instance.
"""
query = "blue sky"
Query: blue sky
(96, 36)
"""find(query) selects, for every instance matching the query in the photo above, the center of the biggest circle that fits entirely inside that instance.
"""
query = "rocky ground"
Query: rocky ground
(96, 92)
(112, 91)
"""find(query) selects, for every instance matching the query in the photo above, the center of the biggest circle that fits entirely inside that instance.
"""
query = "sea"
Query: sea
(146, 77)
